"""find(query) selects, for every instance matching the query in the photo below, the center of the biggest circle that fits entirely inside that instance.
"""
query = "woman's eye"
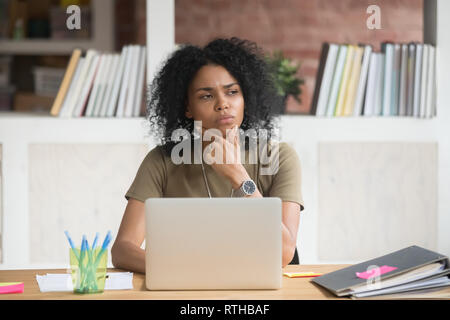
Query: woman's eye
(206, 97)
(232, 92)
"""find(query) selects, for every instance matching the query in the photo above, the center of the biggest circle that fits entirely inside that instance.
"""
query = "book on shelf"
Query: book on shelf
(102, 84)
(108, 85)
(411, 271)
(354, 80)
(117, 80)
(355, 72)
(431, 85)
(373, 94)
(357, 108)
(70, 71)
(403, 80)
(94, 95)
(378, 106)
(411, 76)
(323, 77)
(130, 97)
(423, 91)
(339, 109)
(387, 50)
(337, 76)
(126, 81)
(72, 101)
(81, 102)
(395, 81)
(69, 95)
(140, 82)
(417, 79)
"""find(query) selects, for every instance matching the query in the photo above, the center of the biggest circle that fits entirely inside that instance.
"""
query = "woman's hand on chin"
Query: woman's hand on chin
(224, 156)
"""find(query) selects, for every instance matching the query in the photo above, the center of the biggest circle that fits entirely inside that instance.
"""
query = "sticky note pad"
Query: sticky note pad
(375, 272)
(11, 287)
(302, 274)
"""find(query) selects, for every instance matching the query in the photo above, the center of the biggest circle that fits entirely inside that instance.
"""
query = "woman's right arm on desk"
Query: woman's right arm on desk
(126, 253)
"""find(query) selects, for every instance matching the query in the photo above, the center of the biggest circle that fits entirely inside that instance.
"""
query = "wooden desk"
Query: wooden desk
(292, 289)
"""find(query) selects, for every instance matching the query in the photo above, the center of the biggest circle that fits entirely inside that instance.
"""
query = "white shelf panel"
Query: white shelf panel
(47, 129)
(44, 46)
(293, 128)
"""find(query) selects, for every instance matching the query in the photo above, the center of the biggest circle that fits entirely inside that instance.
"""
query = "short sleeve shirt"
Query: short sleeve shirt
(158, 176)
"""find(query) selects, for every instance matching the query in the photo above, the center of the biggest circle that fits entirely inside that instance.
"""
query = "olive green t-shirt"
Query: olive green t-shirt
(159, 177)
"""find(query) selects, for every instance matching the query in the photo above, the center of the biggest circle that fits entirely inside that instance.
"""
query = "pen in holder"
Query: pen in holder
(88, 265)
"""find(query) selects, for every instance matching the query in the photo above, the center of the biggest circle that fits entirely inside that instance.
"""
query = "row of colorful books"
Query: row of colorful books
(354, 80)
(102, 84)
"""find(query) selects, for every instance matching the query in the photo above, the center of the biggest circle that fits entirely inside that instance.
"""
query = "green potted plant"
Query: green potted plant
(284, 73)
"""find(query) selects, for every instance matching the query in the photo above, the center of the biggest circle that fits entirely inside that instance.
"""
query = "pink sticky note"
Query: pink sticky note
(12, 287)
(375, 272)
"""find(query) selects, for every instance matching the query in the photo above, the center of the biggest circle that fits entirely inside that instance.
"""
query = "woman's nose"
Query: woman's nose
(221, 105)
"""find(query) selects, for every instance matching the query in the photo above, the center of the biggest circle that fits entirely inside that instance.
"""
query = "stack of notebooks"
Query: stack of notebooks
(353, 80)
(410, 273)
(103, 84)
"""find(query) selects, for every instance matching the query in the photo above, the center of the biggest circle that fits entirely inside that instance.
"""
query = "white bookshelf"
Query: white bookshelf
(305, 133)
(102, 37)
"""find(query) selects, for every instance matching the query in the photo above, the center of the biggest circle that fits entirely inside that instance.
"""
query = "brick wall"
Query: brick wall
(130, 26)
(298, 27)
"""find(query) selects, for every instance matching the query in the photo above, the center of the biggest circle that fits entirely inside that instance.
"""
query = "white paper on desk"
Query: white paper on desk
(57, 282)
(54, 282)
(119, 281)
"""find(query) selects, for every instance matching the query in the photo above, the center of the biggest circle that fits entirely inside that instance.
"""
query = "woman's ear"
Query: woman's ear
(188, 113)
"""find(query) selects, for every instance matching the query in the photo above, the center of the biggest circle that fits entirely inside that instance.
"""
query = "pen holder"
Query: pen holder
(88, 270)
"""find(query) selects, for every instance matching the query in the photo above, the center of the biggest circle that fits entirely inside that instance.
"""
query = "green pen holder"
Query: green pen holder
(89, 274)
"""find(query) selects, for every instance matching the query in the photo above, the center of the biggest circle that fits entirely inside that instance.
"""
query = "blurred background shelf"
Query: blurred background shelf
(49, 46)
(45, 46)
(101, 32)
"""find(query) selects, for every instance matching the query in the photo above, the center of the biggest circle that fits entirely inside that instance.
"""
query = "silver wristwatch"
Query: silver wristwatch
(247, 188)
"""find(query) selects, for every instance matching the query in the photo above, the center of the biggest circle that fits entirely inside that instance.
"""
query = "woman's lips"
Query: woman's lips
(226, 119)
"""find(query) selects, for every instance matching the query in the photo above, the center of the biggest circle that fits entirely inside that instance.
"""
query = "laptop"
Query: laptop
(213, 244)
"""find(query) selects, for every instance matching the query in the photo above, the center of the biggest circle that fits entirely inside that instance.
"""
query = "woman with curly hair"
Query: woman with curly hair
(224, 87)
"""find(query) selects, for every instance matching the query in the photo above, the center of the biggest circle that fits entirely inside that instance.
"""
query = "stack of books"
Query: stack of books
(103, 84)
(409, 273)
(354, 80)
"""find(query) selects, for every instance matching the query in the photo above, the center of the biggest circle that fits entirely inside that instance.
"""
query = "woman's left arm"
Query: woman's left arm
(290, 216)
(235, 172)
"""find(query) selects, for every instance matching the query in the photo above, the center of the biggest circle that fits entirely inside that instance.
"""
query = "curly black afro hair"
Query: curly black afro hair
(243, 59)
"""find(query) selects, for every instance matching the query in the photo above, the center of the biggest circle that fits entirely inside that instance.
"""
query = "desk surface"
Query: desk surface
(293, 288)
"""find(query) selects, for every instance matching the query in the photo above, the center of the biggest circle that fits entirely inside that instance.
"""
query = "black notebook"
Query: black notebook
(407, 270)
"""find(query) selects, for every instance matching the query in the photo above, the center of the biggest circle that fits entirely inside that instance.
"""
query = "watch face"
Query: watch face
(249, 187)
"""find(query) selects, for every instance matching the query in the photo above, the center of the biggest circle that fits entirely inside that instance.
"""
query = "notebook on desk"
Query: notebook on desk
(212, 244)
(407, 270)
